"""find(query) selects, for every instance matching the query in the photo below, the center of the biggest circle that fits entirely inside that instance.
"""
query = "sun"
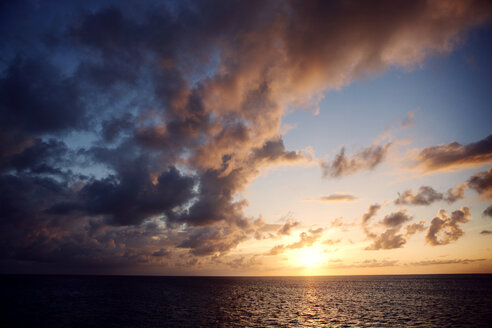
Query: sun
(310, 257)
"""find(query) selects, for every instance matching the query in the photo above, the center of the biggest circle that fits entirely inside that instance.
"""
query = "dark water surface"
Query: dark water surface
(372, 301)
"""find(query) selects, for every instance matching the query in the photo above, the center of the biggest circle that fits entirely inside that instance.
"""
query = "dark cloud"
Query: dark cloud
(427, 195)
(37, 98)
(366, 159)
(455, 155)
(50, 157)
(333, 198)
(487, 211)
(396, 219)
(113, 128)
(482, 183)
(485, 232)
(212, 240)
(445, 229)
(133, 197)
(274, 151)
(162, 252)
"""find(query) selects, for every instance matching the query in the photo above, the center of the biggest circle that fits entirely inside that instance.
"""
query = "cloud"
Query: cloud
(185, 110)
(445, 229)
(287, 227)
(440, 262)
(368, 264)
(408, 121)
(212, 240)
(488, 211)
(367, 216)
(388, 240)
(331, 241)
(130, 198)
(370, 213)
(162, 252)
(306, 239)
(396, 219)
(485, 232)
(455, 156)
(414, 228)
(391, 238)
(482, 183)
(367, 159)
(35, 97)
(333, 198)
(337, 223)
(458, 193)
(427, 195)
(278, 249)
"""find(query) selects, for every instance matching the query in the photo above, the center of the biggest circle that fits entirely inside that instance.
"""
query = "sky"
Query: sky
(246, 137)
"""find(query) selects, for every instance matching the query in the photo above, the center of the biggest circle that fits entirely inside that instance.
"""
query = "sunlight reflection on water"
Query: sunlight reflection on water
(399, 301)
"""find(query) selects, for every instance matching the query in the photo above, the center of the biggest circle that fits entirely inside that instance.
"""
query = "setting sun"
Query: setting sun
(310, 257)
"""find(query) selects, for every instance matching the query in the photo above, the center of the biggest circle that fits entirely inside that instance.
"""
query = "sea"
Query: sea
(154, 301)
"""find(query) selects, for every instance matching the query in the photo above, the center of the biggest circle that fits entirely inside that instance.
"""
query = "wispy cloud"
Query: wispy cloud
(374, 263)
(333, 198)
(366, 159)
(408, 121)
(441, 262)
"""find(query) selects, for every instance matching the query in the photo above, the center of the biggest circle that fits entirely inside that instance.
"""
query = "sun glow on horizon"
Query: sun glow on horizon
(310, 257)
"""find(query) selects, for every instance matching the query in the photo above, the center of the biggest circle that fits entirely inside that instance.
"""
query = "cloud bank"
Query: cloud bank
(175, 107)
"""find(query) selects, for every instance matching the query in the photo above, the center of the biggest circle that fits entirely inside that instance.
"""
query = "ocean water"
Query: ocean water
(140, 301)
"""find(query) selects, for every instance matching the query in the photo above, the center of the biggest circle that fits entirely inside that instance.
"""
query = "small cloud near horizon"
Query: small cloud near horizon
(333, 198)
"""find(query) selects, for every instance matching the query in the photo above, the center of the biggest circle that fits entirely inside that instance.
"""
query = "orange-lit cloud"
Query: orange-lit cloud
(306, 239)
